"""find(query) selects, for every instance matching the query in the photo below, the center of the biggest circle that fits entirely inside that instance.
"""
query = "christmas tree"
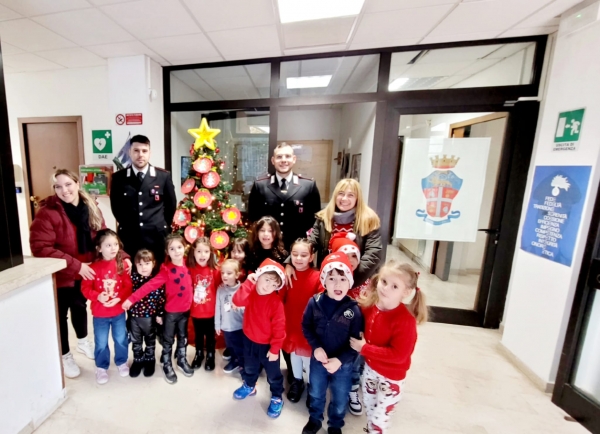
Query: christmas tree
(206, 210)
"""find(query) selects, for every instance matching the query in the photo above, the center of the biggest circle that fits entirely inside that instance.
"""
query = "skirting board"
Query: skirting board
(533, 377)
(35, 424)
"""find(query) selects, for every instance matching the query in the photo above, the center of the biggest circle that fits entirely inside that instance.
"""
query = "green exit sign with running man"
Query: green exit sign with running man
(568, 130)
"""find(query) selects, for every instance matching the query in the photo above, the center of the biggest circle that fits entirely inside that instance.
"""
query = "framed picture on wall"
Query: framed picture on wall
(355, 167)
(186, 163)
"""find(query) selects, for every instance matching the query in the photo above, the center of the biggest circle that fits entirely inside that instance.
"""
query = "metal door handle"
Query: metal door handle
(489, 231)
(35, 201)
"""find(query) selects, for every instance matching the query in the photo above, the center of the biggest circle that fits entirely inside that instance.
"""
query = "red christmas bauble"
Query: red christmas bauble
(203, 198)
(188, 186)
(232, 216)
(217, 151)
(191, 234)
(219, 240)
(202, 165)
(211, 179)
(182, 217)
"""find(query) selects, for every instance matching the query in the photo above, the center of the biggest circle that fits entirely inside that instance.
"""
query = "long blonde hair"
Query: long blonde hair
(417, 306)
(95, 214)
(366, 219)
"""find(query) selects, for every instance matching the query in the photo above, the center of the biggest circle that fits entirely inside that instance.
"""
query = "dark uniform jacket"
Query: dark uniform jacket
(295, 210)
(144, 211)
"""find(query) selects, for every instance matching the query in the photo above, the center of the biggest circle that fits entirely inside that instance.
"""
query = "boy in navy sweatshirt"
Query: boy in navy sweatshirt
(330, 319)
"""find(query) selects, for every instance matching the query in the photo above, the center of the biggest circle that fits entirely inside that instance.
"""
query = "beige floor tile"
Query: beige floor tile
(459, 383)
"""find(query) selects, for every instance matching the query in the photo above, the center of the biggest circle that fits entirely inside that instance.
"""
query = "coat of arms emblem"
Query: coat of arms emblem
(440, 188)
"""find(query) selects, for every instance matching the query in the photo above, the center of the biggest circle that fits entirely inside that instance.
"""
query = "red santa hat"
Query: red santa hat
(351, 236)
(344, 245)
(269, 265)
(337, 261)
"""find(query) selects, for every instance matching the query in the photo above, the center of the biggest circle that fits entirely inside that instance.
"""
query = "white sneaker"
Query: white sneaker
(354, 404)
(123, 370)
(101, 376)
(70, 368)
(86, 347)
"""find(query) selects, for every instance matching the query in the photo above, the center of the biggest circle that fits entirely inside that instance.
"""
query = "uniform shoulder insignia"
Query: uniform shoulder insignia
(306, 177)
(264, 177)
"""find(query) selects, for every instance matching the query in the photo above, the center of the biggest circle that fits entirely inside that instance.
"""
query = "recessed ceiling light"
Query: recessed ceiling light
(306, 82)
(291, 11)
(397, 83)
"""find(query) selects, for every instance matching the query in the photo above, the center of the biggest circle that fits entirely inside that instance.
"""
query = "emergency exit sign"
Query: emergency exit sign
(568, 130)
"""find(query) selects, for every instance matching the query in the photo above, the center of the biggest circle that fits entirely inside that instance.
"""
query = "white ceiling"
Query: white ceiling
(42, 35)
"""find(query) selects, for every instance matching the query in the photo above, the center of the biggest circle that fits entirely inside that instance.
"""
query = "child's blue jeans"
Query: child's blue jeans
(339, 384)
(357, 370)
(119, 333)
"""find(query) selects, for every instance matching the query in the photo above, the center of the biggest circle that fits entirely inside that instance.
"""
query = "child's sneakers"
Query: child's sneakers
(354, 405)
(312, 427)
(275, 407)
(123, 370)
(226, 354)
(86, 347)
(101, 376)
(296, 390)
(230, 367)
(245, 391)
(70, 368)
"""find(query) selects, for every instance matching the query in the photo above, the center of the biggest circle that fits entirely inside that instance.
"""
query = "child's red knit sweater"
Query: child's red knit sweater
(205, 282)
(106, 272)
(391, 337)
(264, 318)
(297, 297)
(178, 287)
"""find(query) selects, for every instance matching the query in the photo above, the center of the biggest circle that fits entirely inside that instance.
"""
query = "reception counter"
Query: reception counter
(31, 378)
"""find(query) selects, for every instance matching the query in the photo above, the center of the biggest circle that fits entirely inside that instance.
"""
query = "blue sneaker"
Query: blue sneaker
(245, 391)
(275, 407)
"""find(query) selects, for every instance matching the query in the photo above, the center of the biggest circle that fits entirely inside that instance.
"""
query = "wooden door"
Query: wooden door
(313, 160)
(49, 144)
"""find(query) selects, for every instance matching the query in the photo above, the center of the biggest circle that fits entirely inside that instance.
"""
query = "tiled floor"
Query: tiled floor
(459, 383)
(458, 292)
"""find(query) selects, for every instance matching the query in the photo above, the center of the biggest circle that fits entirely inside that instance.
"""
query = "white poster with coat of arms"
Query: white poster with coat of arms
(441, 188)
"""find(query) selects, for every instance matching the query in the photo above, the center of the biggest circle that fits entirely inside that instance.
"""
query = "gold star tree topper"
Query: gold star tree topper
(204, 135)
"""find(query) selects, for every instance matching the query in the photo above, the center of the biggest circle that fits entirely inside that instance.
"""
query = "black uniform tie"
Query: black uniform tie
(140, 176)
(283, 186)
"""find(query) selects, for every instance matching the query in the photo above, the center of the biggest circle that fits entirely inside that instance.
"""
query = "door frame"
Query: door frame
(25, 150)
(510, 189)
(565, 395)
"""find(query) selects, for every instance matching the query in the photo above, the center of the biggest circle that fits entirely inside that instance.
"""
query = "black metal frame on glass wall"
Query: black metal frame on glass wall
(565, 394)
(390, 105)
(11, 253)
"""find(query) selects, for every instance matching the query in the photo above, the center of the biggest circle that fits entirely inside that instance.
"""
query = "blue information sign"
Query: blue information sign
(554, 212)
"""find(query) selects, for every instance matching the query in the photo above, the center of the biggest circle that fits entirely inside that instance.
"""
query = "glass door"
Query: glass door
(577, 387)
(446, 195)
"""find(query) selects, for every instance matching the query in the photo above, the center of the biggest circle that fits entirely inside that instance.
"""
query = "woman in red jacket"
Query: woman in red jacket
(65, 228)
(389, 340)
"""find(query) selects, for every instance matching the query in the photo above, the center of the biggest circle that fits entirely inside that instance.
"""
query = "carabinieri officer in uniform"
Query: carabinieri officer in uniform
(290, 199)
(142, 199)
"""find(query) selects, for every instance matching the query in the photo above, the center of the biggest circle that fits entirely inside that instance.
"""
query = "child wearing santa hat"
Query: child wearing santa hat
(264, 331)
(342, 244)
(330, 320)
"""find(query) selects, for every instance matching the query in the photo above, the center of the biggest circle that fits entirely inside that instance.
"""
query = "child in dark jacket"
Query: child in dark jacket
(330, 320)
(144, 315)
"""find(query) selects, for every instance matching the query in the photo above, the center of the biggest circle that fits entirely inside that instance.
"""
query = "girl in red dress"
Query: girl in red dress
(389, 340)
(305, 286)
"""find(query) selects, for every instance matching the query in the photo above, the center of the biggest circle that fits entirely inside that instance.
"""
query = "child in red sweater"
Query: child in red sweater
(179, 292)
(206, 278)
(111, 285)
(389, 340)
(306, 285)
(264, 331)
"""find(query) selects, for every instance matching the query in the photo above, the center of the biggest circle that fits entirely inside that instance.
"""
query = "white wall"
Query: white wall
(313, 124)
(358, 127)
(96, 94)
(541, 291)
(31, 381)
